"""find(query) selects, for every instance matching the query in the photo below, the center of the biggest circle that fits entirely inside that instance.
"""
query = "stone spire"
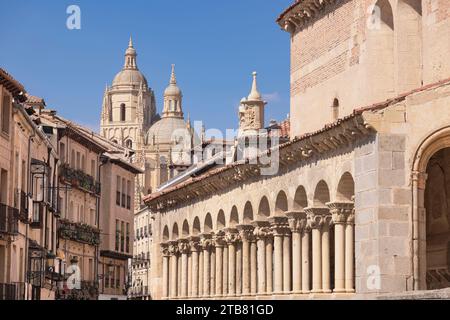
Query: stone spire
(251, 110)
(254, 94)
(173, 98)
(130, 56)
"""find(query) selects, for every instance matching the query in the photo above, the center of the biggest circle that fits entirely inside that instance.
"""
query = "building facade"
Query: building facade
(358, 207)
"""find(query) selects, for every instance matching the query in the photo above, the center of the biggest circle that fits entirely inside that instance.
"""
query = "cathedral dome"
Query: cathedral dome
(162, 131)
(128, 77)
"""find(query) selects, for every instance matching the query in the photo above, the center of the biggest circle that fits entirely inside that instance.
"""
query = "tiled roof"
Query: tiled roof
(33, 100)
(12, 85)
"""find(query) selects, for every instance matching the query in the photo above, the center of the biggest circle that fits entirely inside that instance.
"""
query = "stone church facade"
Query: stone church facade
(359, 207)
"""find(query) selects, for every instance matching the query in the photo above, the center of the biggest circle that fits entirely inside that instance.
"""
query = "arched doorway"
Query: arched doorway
(437, 208)
(431, 213)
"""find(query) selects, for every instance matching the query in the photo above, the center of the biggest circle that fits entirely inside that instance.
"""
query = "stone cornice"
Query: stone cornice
(299, 14)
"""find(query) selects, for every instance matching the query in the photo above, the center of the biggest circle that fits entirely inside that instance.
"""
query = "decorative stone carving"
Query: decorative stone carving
(279, 226)
(232, 236)
(173, 248)
(206, 242)
(297, 221)
(246, 232)
(318, 217)
(340, 211)
(219, 239)
(165, 249)
(184, 246)
(194, 243)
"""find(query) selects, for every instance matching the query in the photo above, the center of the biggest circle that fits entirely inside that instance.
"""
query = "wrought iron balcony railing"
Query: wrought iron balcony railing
(9, 219)
(78, 232)
(12, 291)
(79, 179)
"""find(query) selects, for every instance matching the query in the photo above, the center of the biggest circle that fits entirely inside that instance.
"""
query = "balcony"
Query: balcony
(9, 220)
(37, 220)
(88, 291)
(13, 291)
(78, 232)
(79, 179)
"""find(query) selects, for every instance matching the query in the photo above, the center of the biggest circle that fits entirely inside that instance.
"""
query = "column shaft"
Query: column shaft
(212, 283)
(317, 261)
(231, 269)
(195, 273)
(238, 269)
(165, 284)
(278, 263)
(326, 273)
(287, 263)
(219, 269)
(339, 254)
(206, 273)
(253, 268)
(225, 271)
(245, 267)
(296, 262)
(173, 276)
(261, 266)
(184, 275)
(269, 265)
(306, 267)
(349, 259)
(200, 273)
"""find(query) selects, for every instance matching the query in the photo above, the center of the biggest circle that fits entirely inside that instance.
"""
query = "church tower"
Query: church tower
(128, 105)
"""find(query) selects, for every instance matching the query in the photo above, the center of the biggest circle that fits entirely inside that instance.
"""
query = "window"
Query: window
(128, 195)
(127, 246)
(118, 191)
(62, 152)
(129, 144)
(122, 237)
(78, 161)
(6, 110)
(124, 192)
(335, 109)
(72, 159)
(24, 176)
(93, 171)
(117, 234)
(122, 112)
(83, 163)
(118, 277)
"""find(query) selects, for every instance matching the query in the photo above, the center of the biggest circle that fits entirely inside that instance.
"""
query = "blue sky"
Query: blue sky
(214, 44)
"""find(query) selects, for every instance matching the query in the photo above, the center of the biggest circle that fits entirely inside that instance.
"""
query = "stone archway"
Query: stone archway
(431, 212)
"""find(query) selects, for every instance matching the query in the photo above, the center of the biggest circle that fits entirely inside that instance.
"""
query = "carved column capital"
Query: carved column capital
(297, 221)
(318, 217)
(246, 232)
(194, 243)
(165, 249)
(173, 248)
(279, 225)
(184, 246)
(341, 211)
(262, 230)
(206, 241)
(232, 236)
(219, 239)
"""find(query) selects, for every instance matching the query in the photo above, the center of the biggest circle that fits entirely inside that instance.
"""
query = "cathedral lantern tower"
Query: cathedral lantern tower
(251, 112)
(128, 105)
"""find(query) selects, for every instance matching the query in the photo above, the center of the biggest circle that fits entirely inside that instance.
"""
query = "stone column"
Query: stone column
(165, 268)
(350, 254)
(200, 271)
(232, 238)
(297, 223)
(339, 212)
(213, 271)
(219, 242)
(246, 235)
(190, 274)
(195, 248)
(206, 243)
(225, 270)
(269, 263)
(253, 267)
(184, 248)
(326, 269)
(173, 250)
(262, 230)
(315, 222)
(306, 263)
(279, 227)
